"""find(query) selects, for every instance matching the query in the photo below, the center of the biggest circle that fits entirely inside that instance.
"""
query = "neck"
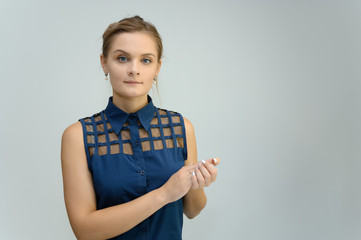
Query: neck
(130, 105)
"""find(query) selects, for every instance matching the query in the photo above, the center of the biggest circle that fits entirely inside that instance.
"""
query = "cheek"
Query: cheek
(117, 70)
(151, 72)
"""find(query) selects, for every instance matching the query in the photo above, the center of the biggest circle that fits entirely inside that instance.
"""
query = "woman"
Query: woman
(131, 170)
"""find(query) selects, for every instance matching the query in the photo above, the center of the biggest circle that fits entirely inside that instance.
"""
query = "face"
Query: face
(132, 64)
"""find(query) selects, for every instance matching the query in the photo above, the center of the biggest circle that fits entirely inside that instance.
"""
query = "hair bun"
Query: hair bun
(136, 17)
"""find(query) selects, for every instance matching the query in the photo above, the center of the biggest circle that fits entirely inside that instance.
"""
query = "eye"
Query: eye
(122, 59)
(146, 60)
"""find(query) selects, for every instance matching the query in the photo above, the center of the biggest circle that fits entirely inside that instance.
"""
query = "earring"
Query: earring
(155, 79)
(106, 76)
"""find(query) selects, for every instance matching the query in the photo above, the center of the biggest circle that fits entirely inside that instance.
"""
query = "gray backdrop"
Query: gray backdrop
(272, 87)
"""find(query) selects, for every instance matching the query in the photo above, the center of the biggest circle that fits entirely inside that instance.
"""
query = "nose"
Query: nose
(133, 69)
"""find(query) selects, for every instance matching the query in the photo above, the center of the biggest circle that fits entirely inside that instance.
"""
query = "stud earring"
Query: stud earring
(155, 79)
(106, 76)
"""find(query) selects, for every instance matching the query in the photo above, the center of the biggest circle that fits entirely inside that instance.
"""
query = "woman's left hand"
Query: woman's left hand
(205, 173)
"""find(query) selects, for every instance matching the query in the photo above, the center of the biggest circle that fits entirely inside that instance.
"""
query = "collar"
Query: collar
(117, 117)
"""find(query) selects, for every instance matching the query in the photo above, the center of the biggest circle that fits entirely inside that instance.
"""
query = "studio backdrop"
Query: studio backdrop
(273, 88)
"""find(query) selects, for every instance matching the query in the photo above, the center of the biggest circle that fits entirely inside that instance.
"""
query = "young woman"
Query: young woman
(131, 170)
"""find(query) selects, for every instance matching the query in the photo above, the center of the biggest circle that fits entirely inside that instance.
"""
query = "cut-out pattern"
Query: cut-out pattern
(166, 131)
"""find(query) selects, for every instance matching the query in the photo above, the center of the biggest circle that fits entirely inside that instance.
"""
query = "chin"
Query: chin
(130, 94)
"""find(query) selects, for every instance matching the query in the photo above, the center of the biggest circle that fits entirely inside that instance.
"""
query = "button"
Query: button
(137, 142)
(142, 172)
(132, 119)
(143, 230)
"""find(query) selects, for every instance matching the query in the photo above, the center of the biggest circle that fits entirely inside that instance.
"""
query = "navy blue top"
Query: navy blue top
(132, 154)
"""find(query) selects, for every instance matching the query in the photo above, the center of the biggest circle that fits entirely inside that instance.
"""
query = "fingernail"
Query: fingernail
(193, 173)
(214, 160)
(203, 161)
(199, 164)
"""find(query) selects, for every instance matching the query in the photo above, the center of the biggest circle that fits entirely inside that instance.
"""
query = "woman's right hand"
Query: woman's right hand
(179, 183)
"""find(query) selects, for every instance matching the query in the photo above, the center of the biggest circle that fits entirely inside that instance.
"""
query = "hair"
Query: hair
(128, 25)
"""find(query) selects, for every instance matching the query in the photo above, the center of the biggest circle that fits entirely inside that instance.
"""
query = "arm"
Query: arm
(205, 173)
(89, 223)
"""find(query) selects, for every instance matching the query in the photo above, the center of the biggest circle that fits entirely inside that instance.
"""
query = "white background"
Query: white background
(273, 88)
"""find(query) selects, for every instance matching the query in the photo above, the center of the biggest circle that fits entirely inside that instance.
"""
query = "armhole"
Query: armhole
(185, 148)
(86, 148)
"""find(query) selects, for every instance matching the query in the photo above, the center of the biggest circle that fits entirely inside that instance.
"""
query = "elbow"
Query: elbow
(83, 231)
(86, 235)
(81, 234)
(195, 210)
(192, 215)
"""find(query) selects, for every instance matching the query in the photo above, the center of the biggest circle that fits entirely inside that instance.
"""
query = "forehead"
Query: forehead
(135, 43)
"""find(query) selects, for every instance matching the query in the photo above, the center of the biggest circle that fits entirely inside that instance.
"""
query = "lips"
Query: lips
(132, 82)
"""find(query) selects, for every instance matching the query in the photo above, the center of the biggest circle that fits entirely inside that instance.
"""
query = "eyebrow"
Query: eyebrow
(126, 53)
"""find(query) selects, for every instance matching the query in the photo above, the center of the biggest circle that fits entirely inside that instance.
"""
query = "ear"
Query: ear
(158, 67)
(103, 62)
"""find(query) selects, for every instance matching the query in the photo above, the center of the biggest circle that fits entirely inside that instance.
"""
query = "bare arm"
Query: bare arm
(195, 200)
(89, 223)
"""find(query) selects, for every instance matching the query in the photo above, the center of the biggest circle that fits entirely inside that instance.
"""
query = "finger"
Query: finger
(205, 173)
(200, 178)
(195, 184)
(212, 170)
(213, 161)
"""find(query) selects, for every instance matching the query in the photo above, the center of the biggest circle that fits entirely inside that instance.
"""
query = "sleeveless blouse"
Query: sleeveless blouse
(132, 154)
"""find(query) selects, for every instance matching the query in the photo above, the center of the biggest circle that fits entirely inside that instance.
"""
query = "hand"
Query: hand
(205, 173)
(179, 183)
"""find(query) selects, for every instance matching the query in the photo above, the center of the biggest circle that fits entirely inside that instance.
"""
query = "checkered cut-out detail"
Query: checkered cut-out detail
(166, 131)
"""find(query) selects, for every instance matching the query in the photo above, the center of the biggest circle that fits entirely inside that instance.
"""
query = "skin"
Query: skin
(132, 64)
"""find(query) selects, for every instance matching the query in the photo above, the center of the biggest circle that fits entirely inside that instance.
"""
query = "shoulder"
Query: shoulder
(73, 131)
(191, 146)
(72, 148)
(164, 112)
(72, 139)
(189, 129)
(188, 125)
(76, 128)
